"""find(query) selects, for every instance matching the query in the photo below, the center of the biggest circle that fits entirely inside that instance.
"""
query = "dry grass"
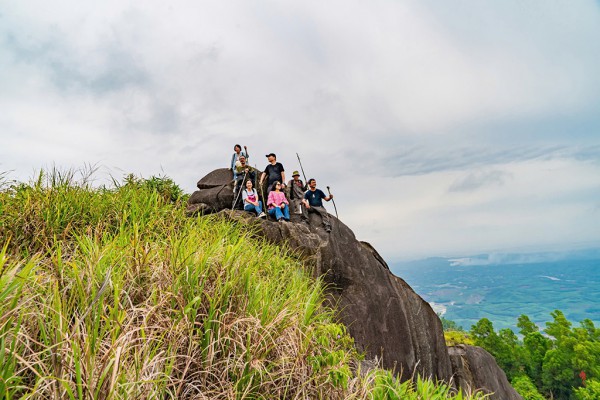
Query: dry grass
(113, 293)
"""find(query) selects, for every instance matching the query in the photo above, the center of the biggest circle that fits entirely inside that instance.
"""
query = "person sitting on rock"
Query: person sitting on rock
(243, 173)
(274, 172)
(295, 191)
(277, 204)
(313, 202)
(251, 201)
(237, 152)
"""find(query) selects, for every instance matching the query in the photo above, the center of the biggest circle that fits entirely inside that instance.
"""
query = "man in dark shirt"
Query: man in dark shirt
(274, 172)
(313, 201)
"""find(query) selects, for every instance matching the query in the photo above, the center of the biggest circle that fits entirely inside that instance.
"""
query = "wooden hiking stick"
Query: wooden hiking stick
(333, 201)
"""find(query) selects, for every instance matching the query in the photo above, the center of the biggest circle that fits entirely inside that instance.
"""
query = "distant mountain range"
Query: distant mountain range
(527, 258)
(504, 258)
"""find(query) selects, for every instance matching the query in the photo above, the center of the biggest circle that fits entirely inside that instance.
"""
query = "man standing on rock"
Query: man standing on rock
(313, 202)
(296, 189)
(243, 173)
(235, 158)
(274, 172)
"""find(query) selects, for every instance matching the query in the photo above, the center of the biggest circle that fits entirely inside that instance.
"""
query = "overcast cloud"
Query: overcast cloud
(443, 128)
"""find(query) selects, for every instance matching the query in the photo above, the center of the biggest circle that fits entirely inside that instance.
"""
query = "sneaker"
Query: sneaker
(262, 215)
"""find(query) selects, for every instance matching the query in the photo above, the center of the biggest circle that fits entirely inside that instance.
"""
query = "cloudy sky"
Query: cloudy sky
(443, 128)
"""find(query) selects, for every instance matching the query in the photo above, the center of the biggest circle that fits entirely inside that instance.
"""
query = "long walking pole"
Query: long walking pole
(262, 192)
(334, 207)
(238, 193)
(303, 174)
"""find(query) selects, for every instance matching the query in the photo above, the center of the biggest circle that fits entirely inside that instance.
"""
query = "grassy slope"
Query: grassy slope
(114, 293)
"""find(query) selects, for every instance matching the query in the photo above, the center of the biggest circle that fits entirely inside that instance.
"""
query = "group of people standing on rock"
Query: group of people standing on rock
(295, 197)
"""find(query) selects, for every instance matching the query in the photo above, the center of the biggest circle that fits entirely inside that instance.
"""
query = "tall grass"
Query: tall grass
(113, 293)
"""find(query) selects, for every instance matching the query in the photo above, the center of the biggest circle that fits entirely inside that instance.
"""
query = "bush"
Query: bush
(526, 388)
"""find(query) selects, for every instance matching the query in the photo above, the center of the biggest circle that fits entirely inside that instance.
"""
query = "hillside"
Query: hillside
(115, 293)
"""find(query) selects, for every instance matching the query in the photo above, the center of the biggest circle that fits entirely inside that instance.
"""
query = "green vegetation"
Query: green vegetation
(109, 293)
(561, 363)
(454, 334)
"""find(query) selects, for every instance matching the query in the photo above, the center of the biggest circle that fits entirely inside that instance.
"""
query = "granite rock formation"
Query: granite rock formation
(387, 319)
(475, 368)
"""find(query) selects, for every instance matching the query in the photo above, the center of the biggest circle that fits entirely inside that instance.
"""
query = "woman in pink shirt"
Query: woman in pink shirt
(277, 204)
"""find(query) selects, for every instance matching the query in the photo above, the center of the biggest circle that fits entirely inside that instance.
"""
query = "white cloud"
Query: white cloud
(428, 120)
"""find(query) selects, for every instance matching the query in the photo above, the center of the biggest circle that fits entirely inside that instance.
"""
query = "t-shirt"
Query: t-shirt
(314, 198)
(247, 197)
(274, 171)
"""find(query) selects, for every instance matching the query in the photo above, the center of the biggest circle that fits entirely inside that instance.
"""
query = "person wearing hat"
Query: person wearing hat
(295, 192)
(274, 172)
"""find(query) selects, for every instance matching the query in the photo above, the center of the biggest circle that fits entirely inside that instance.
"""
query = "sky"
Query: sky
(443, 128)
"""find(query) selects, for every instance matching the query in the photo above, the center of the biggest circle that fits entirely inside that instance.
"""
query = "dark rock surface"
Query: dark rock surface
(215, 194)
(386, 318)
(475, 368)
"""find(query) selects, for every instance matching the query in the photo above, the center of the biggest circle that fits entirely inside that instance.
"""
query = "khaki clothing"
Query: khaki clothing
(295, 192)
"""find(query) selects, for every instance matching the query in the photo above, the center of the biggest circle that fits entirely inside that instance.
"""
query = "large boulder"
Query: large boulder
(475, 368)
(392, 324)
(215, 194)
(386, 318)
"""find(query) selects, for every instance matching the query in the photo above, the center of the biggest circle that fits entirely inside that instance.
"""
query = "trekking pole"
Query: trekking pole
(303, 174)
(237, 197)
(260, 185)
(334, 207)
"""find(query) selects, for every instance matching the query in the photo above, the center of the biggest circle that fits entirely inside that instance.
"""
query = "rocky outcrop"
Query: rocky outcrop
(215, 194)
(386, 318)
(475, 368)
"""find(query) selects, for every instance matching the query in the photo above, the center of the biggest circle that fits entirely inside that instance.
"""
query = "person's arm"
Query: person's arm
(327, 198)
(256, 196)
(282, 175)
(246, 151)
(262, 177)
(271, 199)
(305, 200)
(232, 162)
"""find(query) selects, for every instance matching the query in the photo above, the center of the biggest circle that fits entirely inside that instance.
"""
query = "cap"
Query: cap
(271, 154)
(296, 173)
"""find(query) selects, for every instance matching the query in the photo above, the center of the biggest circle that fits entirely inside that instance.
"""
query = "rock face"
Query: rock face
(475, 368)
(215, 194)
(386, 318)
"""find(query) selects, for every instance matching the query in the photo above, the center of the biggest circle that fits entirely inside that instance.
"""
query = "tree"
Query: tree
(526, 388)
(526, 326)
(591, 391)
(501, 345)
(535, 347)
